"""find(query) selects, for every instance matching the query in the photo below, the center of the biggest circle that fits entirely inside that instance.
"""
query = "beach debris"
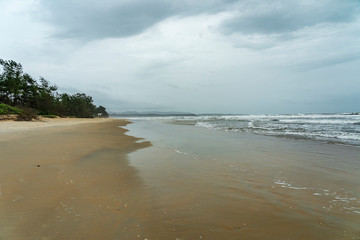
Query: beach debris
(36, 165)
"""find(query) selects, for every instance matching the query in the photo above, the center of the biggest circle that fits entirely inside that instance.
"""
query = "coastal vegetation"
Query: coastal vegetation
(6, 109)
(27, 97)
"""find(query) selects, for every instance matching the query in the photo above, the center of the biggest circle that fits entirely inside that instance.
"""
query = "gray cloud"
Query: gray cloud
(279, 17)
(87, 21)
(91, 20)
(205, 56)
(329, 61)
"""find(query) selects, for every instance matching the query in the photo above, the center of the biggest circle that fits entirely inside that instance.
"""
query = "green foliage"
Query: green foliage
(101, 112)
(20, 89)
(78, 105)
(10, 82)
(6, 109)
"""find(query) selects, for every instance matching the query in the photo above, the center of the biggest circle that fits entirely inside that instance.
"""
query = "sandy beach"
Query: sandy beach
(89, 179)
(65, 178)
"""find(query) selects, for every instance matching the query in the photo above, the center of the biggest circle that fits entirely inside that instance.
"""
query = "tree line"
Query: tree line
(19, 89)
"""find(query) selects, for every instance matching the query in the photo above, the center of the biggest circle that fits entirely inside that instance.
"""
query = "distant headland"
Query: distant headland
(150, 114)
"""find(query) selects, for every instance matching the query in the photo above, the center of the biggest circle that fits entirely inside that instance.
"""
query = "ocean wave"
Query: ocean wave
(337, 128)
(206, 125)
(329, 128)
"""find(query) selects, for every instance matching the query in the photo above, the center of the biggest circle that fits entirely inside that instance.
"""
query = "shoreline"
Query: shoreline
(221, 185)
(61, 174)
(85, 179)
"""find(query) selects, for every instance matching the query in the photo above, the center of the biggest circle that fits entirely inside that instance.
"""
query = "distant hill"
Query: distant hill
(150, 114)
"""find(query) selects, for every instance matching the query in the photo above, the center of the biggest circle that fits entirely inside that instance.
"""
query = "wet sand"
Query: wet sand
(209, 184)
(87, 179)
(66, 179)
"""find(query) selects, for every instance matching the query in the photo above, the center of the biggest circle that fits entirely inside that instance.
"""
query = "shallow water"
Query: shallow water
(206, 184)
(329, 128)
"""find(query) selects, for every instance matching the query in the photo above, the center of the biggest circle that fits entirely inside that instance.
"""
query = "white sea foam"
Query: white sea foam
(180, 152)
(340, 201)
(332, 128)
(205, 125)
(193, 156)
(288, 185)
(335, 128)
(251, 125)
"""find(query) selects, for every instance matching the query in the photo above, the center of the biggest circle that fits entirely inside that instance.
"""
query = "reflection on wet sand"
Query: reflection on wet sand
(215, 185)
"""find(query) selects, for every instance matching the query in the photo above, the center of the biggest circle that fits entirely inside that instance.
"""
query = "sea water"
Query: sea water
(215, 182)
(330, 128)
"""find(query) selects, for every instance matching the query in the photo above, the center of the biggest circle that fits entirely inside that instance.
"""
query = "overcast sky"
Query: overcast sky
(227, 56)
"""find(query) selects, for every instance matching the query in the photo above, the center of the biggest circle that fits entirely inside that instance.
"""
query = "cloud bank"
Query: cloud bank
(236, 56)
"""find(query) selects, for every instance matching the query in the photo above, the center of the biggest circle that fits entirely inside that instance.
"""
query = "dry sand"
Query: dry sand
(65, 179)
(10, 129)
